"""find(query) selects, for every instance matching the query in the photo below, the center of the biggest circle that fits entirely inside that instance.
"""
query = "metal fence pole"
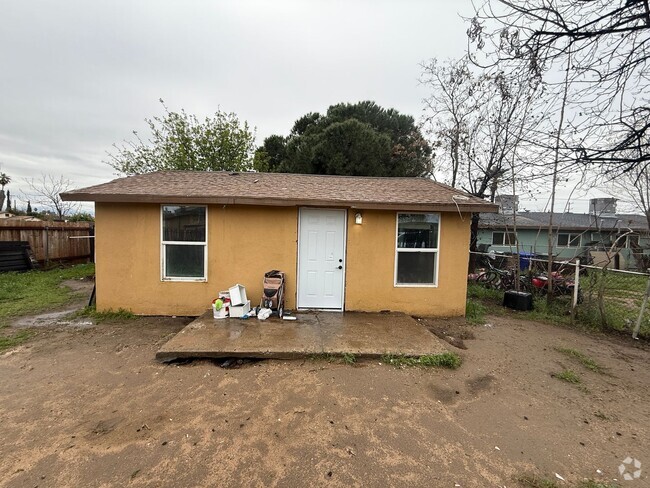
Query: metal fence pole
(637, 327)
(576, 284)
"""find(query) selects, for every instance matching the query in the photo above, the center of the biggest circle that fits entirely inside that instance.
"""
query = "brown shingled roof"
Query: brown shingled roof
(281, 189)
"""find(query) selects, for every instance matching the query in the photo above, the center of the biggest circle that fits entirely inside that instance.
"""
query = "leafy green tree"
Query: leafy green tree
(361, 139)
(179, 141)
(81, 217)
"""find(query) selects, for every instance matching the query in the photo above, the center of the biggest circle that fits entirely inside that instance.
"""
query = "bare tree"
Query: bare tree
(478, 123)
(634, 186)
(608, 110)
(46, 191)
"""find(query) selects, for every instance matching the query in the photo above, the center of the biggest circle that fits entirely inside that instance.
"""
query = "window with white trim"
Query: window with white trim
(504, 239)
(417, 249)
(568, 240)
(184, 242)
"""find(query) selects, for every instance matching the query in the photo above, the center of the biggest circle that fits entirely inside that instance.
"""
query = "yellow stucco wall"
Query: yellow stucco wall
(371, 268)
(243, 243)
(246, 241)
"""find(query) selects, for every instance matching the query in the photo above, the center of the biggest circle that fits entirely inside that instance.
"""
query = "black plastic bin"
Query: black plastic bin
(518, 300)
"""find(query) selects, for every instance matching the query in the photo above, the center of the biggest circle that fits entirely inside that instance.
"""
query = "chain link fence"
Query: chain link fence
(605, 298)
(614, 299)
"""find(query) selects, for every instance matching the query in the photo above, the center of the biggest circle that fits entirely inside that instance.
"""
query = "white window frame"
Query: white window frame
(435, 251)
(503, 242)
(163, 243)
(572, 236)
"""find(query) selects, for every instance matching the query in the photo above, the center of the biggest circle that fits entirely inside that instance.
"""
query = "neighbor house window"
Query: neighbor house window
(632, 241)
(504, 239)
(184, 245)
(568, 240)
(417, 249)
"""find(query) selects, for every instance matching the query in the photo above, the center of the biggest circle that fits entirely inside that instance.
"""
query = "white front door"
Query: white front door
(321, 258)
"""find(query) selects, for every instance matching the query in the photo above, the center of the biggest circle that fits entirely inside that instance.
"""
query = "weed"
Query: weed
(37, 291)
(567, 375)
(582, 358)
(534, 481)
(14, 340)
(349, 358)
(475, 312)
(445, 360)
(601, 415)
(107, 315)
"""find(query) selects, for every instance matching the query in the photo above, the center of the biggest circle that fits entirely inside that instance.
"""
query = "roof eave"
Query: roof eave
(276, 202)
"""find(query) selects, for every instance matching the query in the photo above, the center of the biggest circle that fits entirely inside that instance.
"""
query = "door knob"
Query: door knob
(340, 267)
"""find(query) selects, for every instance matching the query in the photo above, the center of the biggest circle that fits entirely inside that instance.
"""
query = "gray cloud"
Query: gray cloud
(78, 76)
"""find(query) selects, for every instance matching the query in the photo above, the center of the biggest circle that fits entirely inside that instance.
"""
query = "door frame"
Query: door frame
(345, 259)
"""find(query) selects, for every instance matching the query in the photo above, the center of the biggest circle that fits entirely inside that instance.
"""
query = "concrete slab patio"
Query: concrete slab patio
(361, 334)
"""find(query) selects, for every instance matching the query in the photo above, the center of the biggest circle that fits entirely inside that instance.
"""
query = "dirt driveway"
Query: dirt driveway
(91, 407)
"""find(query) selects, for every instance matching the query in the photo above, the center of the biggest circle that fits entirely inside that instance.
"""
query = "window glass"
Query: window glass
(183, 223)
(417, 231)
(497, 238)
(568, 240)
(184, 242)
(184, 261)
(414, 268)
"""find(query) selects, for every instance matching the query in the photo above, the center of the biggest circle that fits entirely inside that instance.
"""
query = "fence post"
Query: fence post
(637, 327)
(47, 246)
(576, 285)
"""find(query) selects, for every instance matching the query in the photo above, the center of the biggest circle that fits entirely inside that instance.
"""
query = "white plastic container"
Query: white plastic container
(240, 310)
(222, 313)
(238, 295)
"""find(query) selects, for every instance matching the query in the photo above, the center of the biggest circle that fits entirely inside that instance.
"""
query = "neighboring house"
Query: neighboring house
(168, 242)
(587, 236)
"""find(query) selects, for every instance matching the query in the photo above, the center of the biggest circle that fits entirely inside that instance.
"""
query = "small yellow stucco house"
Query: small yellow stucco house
(167, 242)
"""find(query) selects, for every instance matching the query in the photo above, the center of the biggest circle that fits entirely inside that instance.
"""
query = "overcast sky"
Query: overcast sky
(78, 76)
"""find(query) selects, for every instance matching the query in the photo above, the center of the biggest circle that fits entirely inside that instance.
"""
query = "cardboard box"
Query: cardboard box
(240, 310)
(238, 295)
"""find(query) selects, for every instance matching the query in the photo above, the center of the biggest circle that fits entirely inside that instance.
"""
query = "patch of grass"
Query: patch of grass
(597, 484)
(14, 340)
(349, 358)
(475, 312)
(120, 314)
(557, 312)
(534, 481)
(567, 375)
(582, 358)
(480, 292)
(445, 360)
(37, 291)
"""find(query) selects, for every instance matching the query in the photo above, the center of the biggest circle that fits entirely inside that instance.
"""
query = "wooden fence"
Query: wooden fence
(51, 240)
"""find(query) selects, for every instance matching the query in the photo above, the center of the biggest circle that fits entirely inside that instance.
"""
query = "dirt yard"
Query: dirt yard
(89, 406)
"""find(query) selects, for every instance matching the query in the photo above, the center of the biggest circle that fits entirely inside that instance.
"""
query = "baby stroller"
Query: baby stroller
(273, 295)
